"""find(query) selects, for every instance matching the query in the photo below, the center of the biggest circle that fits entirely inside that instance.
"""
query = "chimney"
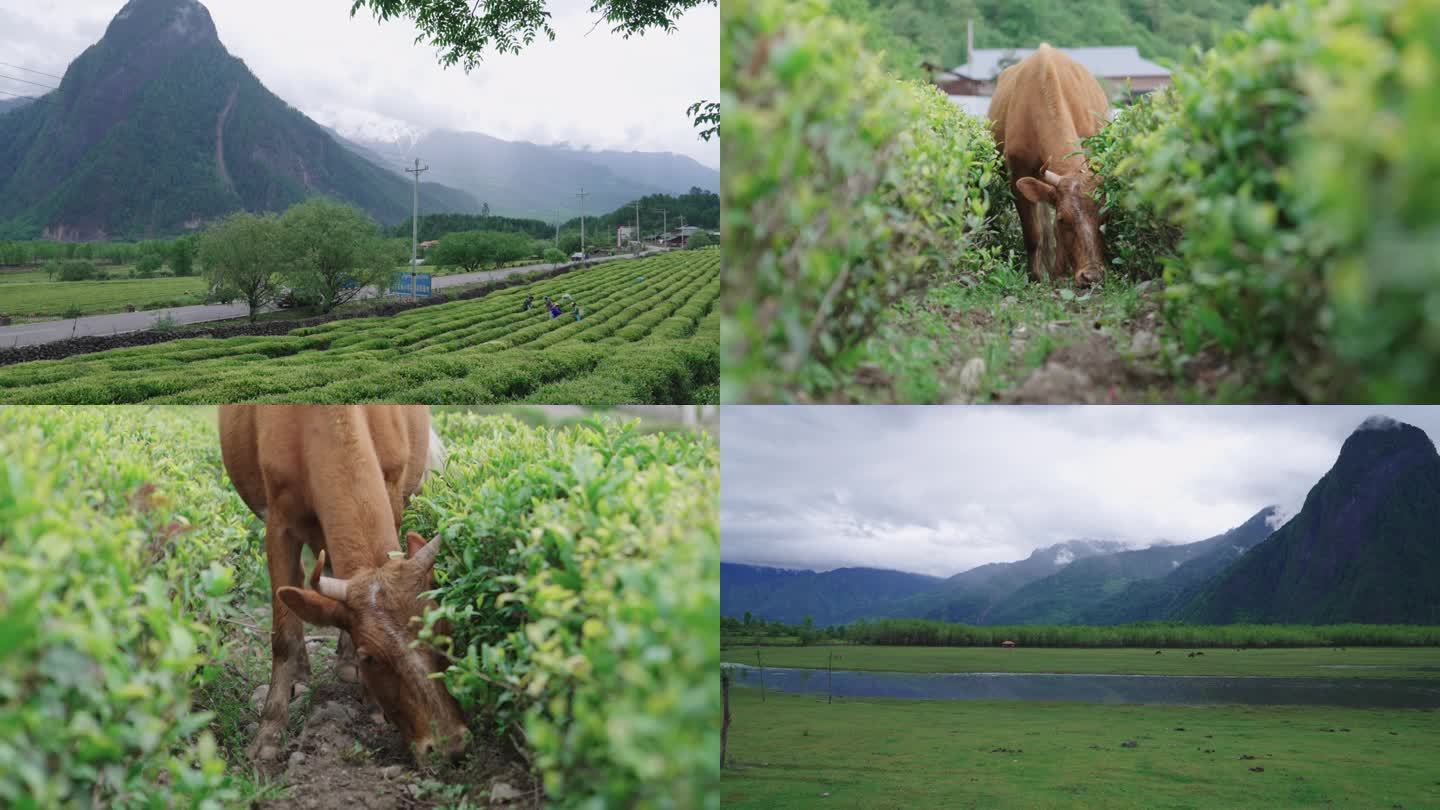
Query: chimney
(970, 41)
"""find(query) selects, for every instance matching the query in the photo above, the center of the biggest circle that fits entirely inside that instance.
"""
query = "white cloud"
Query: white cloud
(938, 490)
(588, 87)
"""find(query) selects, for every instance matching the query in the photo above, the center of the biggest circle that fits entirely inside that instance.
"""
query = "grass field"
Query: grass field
(31, 295)
(649, 333)
(1326, 662)
(793, 750)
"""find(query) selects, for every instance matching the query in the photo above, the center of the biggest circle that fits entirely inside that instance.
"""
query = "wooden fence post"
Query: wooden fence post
(762, 674)
(830, 679)
(725, 723)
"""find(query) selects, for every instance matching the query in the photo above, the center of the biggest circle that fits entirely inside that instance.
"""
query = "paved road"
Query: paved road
(29, 334)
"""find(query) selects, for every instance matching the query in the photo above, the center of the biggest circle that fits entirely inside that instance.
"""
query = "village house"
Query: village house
(970, 85)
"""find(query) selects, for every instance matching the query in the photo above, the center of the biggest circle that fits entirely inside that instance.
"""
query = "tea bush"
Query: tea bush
(120, 544)
(580, 578)
(1137, 238)
(1370, 170)
(845, 189)
(1298, 159)
(643, 323)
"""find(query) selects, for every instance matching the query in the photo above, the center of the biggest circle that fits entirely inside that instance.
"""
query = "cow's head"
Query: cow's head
(381, 609)
(1077, 221)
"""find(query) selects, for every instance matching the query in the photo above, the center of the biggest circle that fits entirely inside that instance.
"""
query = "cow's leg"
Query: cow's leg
(289, 663)
(345, 659)
(1029, 213)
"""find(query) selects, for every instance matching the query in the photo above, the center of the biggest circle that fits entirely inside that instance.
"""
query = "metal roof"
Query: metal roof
(975, 105)
(1117, 61)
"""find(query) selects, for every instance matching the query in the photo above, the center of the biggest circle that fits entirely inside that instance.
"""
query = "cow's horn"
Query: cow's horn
(333, 588)
(319, 569)
(425, 557)
(1052, 178)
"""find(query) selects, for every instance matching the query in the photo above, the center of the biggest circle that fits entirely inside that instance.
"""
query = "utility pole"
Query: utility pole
(637, 222)
(557, 228)
(415, 221)
(664, 221)
(582, 195)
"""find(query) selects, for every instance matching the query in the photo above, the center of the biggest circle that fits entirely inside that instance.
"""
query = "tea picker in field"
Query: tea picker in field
(528, 300)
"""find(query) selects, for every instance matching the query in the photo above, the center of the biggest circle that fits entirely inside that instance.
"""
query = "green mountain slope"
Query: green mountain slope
(157, 128)
(1155, 599)
(1364, 548)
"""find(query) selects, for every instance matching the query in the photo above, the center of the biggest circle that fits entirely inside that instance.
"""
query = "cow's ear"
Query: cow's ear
(1036, 191)
(315, 608)
(414, 542)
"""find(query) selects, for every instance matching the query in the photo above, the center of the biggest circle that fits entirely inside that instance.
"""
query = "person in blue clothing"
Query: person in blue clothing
(554, 310)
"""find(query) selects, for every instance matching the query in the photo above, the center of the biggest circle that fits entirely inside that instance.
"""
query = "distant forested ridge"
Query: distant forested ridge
(915, 31)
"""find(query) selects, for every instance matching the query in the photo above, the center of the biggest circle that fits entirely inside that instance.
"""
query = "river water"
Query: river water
(1155, 689)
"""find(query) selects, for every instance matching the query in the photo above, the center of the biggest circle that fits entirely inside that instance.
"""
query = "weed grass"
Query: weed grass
(39, 298)
(792, 750)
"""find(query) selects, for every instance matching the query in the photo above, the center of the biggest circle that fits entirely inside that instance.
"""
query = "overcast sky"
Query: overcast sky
(588, 89)
(938, 490)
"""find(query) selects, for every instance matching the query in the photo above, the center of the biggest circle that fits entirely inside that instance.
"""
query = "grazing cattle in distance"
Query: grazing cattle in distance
(1042, 107)
(336, 479)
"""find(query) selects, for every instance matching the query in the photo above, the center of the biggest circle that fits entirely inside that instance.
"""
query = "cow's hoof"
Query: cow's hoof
(298, 690)
(347, 673)
(264, 753)
(377, 717)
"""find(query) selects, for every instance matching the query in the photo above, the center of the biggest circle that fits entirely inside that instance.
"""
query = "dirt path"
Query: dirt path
(337, 758)
(1009, 340)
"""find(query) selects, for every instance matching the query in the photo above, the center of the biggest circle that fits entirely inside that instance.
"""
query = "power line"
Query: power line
(28, 70)
(27, 81)
(17, 95)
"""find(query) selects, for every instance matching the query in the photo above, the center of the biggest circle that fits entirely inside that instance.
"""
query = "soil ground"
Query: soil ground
(1004, 338)
(336, 757)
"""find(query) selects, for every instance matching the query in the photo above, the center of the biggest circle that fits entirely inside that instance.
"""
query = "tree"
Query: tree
(148, 265)
(554, 256)
(748, 619)
(698, 240)
(485, 209)
(182, 256)
(706, 116)
(474, 250)
(334, 251)
(240, 256)
(464, 36)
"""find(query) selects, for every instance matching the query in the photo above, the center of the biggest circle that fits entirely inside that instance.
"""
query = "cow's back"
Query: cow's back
(1043, 105)
(270, 447)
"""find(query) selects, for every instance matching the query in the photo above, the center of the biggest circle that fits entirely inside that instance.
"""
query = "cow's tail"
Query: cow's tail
(435, 456)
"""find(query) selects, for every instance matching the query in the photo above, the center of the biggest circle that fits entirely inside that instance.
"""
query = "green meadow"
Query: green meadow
(796, 751)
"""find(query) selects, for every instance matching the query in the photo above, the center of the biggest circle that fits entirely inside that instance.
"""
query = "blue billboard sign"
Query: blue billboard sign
(412, 283)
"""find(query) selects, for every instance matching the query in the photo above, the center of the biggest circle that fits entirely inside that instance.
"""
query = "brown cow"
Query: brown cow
(1042, 107)
(336, 479)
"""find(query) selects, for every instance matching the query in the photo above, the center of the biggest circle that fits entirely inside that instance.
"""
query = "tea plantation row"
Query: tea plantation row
(649, 333)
